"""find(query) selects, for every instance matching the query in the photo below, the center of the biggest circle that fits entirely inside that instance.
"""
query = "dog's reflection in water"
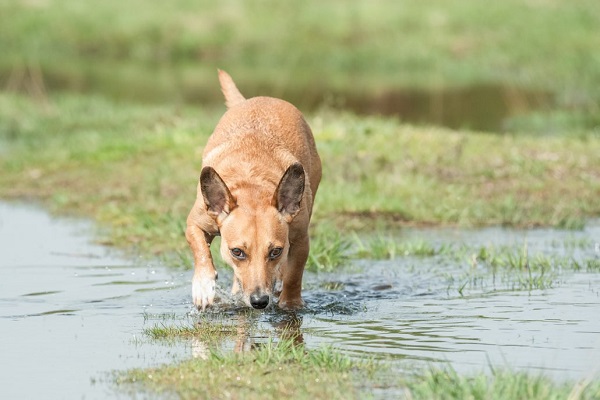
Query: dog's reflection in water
(287, 328)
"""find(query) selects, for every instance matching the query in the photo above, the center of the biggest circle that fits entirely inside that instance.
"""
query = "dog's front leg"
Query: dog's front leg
(205, 275)
(291, 293)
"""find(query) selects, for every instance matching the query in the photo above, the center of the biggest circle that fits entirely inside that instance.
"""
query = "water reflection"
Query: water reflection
(276, 325)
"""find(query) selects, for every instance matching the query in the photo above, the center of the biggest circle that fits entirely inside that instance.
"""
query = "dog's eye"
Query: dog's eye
(276, 252)
(238, 253)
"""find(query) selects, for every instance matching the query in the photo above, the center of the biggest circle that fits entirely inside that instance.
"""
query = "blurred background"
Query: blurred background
(506, 66)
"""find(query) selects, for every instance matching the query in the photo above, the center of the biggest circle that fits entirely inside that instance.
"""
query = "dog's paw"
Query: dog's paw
(203, 291)
(291, 304)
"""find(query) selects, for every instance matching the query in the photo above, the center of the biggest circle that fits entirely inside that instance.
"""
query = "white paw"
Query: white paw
(203, 291)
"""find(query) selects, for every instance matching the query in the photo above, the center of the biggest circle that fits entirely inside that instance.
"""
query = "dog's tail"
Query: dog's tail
(232, 95)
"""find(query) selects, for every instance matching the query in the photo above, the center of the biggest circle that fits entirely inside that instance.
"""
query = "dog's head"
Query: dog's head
(254, 233)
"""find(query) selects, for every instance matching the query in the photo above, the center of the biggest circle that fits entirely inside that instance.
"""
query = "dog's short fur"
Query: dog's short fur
(259, 178)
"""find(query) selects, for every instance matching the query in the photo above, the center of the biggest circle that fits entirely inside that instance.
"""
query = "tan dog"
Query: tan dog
(259, 178)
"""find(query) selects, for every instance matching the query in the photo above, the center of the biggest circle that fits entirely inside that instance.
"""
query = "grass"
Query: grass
(438, 384)
(134, 168)
(96, 120)
(383, 247)
(330, 249)
(205, 330)
(490, 268)
(169, 52)
(272, 370)
(282, 368)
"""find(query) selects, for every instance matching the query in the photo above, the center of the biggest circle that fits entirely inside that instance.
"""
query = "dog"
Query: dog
(260, 174)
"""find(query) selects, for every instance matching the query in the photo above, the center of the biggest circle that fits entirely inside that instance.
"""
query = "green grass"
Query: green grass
(475, 268)
(206, 330)
(170, 51)
(271, 370)
(383, 247)
(95, 120)
(134, 168)
(439, 384)
(281, 368)
(330, 249)
(513, 268)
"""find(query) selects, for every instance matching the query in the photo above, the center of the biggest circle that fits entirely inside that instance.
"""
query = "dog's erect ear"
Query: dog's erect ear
(217, 197)
(289, 191)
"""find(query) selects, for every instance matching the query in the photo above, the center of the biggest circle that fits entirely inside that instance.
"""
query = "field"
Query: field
(104, 110)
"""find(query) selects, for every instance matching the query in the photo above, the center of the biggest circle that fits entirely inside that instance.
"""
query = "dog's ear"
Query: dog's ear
(215, 192)
(289, 191)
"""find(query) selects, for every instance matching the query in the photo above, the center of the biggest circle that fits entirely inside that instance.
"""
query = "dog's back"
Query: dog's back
(261, 128)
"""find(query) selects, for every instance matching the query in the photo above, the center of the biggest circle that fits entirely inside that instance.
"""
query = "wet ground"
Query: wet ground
(71, 312)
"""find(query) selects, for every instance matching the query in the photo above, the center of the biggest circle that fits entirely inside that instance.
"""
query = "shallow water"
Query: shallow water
(71, 312)
(482, 107)
(556, 331)
(409, 311)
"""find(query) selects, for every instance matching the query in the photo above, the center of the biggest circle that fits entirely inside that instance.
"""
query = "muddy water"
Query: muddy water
(70, 313)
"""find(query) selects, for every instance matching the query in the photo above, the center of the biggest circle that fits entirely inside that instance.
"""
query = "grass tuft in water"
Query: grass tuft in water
(161, 317)
(329, 249)
(590, 265)
(208, 328)
(382, 248)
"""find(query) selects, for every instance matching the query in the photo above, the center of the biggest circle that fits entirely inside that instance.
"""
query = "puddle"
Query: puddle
(554, 331)
(70, 313)
(422, 317)
(482, 107)
(405, 310)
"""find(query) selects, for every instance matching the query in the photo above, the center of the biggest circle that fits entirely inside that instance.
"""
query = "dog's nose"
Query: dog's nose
(259, 301)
